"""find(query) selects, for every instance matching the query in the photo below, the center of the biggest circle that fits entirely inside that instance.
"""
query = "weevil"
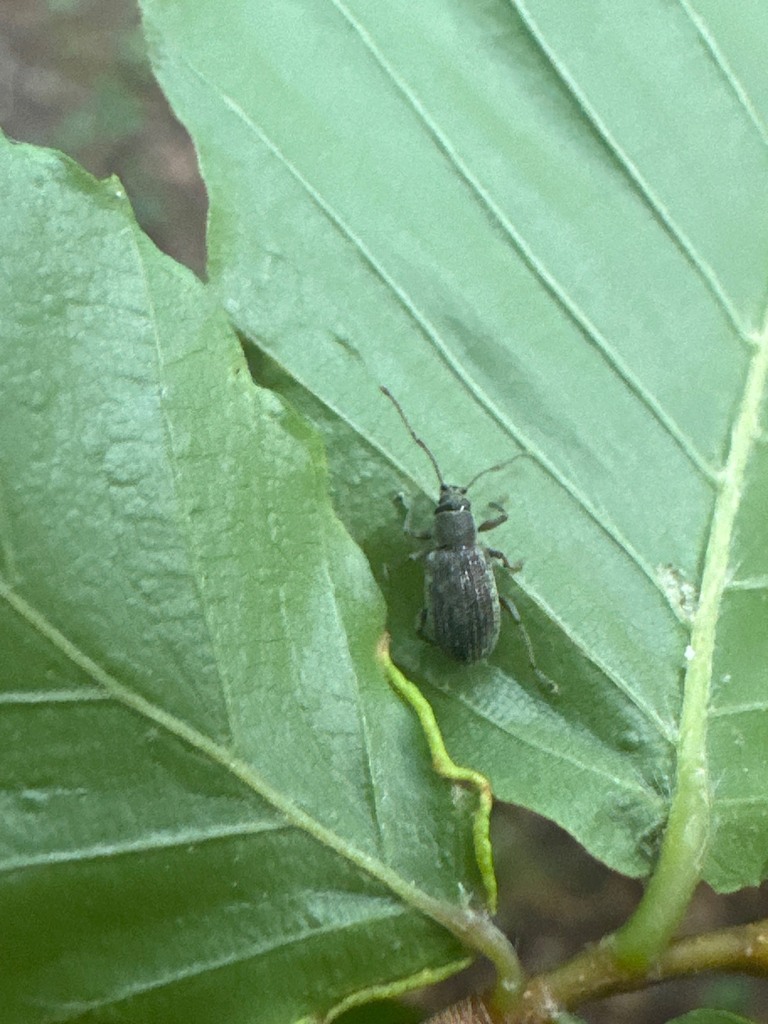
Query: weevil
(462, 605)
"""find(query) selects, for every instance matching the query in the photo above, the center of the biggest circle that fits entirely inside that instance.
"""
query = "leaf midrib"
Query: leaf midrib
(461, 922)
(715, 577)
(686, 840)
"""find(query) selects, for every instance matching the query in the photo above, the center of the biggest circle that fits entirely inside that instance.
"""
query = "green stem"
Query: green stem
(681, 861)
(595, 974)
(647, 933)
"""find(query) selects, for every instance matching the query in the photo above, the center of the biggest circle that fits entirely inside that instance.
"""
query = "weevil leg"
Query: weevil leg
(543, 678)
(421, 626)
(491, 524)
(511, 566)
(417, 534)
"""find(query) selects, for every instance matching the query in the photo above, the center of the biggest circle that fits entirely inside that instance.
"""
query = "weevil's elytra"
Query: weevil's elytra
(461, 612)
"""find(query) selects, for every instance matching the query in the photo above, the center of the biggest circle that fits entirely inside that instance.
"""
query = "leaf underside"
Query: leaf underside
(542, 226)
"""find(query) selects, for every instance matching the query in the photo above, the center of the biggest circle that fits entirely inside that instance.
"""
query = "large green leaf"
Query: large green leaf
(543, 225)
(210, 807)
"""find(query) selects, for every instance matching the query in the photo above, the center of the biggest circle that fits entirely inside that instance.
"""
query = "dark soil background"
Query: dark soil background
(74, 76)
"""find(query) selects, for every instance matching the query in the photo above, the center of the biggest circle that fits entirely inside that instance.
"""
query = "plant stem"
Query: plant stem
(648, 931)
(595, 973)
(681, 861)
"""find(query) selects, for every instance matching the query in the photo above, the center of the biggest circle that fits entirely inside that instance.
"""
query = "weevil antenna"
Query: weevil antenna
(413, 433)
(499, 465)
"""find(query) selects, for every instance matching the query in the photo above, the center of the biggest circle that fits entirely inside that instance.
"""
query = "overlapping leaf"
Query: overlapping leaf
(543, 226)
(207, 811)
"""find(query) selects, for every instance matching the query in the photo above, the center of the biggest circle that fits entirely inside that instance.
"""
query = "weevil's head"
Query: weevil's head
(452, 499)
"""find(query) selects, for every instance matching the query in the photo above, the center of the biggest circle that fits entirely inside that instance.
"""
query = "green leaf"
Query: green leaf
(542, 225)
(207, 811)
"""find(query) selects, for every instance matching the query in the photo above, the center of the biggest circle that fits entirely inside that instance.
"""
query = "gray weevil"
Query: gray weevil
(461, 613)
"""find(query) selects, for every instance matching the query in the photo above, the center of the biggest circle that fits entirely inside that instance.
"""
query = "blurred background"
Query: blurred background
(74, 76)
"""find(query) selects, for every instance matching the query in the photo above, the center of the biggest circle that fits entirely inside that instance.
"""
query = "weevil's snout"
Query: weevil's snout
(453, 499)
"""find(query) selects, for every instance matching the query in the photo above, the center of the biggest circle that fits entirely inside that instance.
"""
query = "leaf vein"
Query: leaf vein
(649, 195)
(725, 68)
(561, 753)
(194, 969)
(153, 843)
(600, 518)
(458, 920)
(553, 286)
